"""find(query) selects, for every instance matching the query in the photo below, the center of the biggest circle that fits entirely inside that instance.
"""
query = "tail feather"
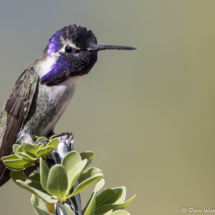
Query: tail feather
(5, 174)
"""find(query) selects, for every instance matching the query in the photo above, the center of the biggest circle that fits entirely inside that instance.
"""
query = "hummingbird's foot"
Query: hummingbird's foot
(68, 134)
(44, 141)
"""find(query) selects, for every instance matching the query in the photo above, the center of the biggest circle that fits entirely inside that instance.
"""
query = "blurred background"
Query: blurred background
(148, 115)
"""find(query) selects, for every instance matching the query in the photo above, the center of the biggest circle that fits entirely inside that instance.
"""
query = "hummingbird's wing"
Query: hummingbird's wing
(14, 114)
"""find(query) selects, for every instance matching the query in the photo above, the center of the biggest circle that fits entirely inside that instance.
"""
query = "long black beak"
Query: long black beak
(96, 48)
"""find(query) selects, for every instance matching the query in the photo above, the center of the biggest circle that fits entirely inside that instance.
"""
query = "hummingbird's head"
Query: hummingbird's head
(74, 50)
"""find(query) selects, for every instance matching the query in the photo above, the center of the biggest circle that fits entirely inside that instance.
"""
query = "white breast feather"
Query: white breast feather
(46, 65)
(59, 94)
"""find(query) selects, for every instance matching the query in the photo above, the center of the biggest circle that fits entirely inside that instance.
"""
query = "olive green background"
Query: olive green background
(148, 115)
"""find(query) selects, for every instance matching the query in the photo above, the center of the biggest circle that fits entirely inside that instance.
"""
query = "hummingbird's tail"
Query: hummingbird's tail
(5, 174)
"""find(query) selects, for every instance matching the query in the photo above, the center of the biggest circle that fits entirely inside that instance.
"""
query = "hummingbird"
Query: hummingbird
(43, 91)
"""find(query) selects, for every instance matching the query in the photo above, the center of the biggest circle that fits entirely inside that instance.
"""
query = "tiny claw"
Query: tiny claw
(44, 141)
(68, 134)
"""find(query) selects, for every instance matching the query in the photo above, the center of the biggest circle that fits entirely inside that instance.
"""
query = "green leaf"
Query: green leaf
(53, 143)
(120, 212)
(17, 176)
(39, 206)
(68, 210)
(17, 164)
(86, 184)
(29, 148)
(50, 207)
(99, 185)
(26, 157)
(109, 196)
(87, 155)
(46, 150)
(34, 137)
(43, 196)
(41, 146)
(44, 172)
(10, 157)
(122, 197)
(55, 136)
(15, 148)
(20, 152)
(105, 208)
(70, 161)
(89, 173)
(75, 172)
(58, 181)
(33, 180)
(20, 149)
(90, 208)
(108, 213)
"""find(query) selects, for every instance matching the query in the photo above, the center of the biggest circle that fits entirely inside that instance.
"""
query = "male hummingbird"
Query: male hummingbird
(43, 91)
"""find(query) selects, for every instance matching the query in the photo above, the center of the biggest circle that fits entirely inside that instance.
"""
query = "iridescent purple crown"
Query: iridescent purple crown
(80, 36)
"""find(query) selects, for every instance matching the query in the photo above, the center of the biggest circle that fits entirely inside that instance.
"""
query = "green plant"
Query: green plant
(27, 154)
(55, 186)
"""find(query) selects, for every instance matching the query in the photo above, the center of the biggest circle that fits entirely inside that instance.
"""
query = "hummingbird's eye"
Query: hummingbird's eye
(68, 49)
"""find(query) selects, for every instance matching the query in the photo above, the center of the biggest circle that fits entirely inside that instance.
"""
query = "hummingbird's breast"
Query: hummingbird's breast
(48, 106)
(49, 102)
